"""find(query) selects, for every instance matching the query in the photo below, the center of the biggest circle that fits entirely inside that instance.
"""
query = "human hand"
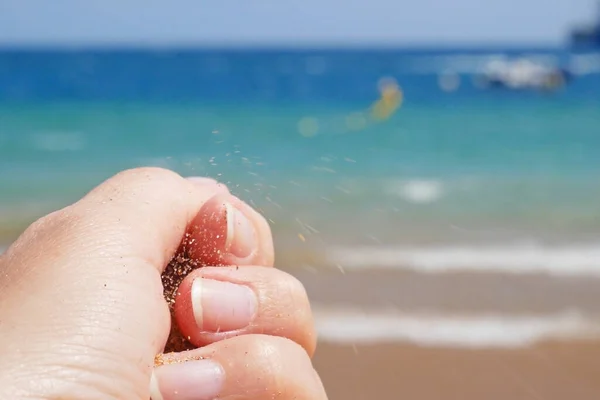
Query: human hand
(82, 312)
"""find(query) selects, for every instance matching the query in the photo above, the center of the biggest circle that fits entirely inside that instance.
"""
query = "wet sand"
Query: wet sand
(451, 292)
(551, 371)
(557, 370)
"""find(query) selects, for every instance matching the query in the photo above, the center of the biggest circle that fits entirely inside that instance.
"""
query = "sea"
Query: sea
(470, 216)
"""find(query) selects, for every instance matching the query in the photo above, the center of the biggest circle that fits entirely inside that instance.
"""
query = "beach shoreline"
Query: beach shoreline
(549, 371)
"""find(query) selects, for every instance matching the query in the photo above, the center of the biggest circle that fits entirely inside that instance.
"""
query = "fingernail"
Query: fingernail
(222, 306)
(240, 240)
(190, 380)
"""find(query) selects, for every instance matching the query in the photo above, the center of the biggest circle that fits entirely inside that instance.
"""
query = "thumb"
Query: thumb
(81, 293)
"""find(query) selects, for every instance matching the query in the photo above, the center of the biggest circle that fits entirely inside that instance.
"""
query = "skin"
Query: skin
(82, 313)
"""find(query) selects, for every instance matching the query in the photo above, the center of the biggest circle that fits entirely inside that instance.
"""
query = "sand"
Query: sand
(452, 292)
(552, 371)
(557, 370)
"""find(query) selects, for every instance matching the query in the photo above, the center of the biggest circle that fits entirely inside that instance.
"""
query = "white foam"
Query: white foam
(486, 331)
(419, 191)
(562, 261)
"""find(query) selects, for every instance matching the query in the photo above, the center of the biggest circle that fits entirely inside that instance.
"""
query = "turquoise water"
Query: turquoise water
(522, 169)
(466, 166)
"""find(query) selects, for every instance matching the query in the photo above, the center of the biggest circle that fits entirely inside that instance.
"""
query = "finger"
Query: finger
(250, 367)
(129, 203)
(94, 269)
(216, 303)
(227, 231)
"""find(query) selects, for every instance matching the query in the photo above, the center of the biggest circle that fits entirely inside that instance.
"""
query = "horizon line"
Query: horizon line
(418, 46)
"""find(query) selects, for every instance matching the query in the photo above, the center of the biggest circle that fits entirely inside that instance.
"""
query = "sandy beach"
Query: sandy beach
(551, 371)
(510, 347)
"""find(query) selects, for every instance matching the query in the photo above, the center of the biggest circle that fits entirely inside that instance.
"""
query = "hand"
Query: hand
(82, 312)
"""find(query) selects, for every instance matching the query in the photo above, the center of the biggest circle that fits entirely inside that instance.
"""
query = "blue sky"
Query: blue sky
(288, 22)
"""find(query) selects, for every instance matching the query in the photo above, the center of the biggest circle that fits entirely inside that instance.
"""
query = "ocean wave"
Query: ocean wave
(418, 191)
(349, 326)
(517, 259)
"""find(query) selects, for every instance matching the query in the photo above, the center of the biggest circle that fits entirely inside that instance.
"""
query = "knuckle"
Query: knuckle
(302, 329)
(288, 286)
(43, 222)
(286, 309)
(286, 363)
(153, 177)
(46, 233)
(133, 184)
(147, 173)
(274, 348)
(59, 218)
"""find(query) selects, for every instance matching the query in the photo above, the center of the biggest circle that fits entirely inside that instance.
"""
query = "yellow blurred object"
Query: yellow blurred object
(390, 100)
(308, 126)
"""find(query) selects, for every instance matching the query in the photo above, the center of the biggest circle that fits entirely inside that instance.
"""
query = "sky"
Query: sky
(288, 22)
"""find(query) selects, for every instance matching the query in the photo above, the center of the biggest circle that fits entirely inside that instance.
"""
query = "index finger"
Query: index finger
(227, 231)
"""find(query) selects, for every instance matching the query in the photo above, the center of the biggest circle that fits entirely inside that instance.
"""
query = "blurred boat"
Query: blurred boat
(522, 74)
